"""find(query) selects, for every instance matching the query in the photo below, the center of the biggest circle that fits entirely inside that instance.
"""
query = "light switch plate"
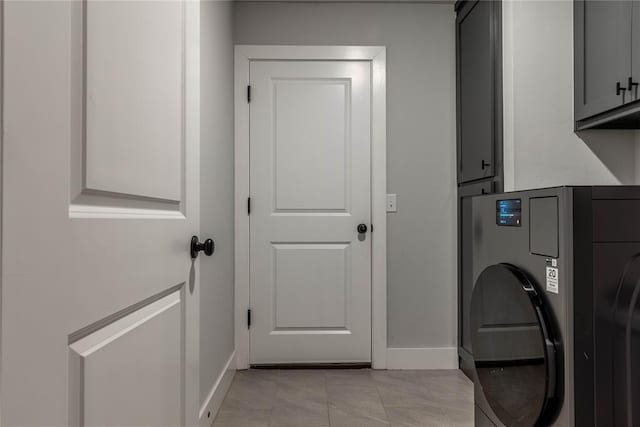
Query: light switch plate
(392, 203)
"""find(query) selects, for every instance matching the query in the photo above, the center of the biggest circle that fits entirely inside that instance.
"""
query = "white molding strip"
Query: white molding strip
(422, 358)
(508, 93)
(107, 212)
(212, 403)
(441, 2)
(379, 208)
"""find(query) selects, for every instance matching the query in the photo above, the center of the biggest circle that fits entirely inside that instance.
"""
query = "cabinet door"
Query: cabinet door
(465, 266)
(602, 55)
(635, 51)
(476, 37)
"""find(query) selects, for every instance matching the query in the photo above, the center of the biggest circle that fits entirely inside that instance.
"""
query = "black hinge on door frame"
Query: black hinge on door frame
(248, 318)
(248, 205)
(248, 93)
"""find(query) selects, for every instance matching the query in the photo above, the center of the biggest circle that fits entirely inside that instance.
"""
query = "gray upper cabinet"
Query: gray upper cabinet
(476, 99)
(632, 84)
(606, 69)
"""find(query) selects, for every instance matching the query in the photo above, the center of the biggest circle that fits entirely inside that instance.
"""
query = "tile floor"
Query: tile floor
(347, 398)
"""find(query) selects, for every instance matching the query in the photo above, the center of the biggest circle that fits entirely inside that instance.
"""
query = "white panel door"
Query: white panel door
(310, 278)
(100, 199)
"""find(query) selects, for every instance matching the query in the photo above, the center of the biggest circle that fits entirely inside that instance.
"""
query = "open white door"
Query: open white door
(101, 138)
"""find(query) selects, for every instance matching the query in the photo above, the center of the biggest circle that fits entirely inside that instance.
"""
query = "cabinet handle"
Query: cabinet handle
(485, 165)
(620, 89)
(631, 84)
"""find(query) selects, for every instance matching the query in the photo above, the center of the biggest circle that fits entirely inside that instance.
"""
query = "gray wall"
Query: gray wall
(216, 201)
(540, 146)
(421, 142)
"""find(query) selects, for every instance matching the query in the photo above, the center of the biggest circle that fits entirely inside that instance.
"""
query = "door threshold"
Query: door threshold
(285, 366)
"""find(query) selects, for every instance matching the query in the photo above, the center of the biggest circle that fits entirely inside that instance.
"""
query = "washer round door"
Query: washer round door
(516, 355)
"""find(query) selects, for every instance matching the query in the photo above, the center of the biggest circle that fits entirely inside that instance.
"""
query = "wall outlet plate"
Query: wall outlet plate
(392, 203)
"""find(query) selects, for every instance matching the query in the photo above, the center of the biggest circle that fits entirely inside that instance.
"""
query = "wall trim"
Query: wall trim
(422, 358)
(113, 212)
(508, 94)
(377, 55)
(218, 392)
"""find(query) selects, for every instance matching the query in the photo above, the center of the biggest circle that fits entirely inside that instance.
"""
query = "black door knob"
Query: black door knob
(362, 228)
(196, 246)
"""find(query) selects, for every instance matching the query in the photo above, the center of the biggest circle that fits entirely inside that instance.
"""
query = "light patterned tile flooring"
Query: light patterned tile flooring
(347, 398)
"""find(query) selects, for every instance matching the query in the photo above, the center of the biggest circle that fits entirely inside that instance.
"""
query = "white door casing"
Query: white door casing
(315, 135)
(100, 309)
(310, 272)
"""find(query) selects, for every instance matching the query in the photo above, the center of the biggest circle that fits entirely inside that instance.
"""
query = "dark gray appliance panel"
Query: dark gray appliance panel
(543, 226)
(626, 346)
(616, 273)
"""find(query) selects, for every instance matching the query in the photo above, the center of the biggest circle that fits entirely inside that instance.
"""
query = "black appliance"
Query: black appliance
(554, 319)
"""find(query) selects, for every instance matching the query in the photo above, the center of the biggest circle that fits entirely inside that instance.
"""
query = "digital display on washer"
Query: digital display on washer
(509, 212)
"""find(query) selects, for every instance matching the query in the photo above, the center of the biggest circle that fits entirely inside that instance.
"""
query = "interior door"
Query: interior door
(310, 278)
(100, 196)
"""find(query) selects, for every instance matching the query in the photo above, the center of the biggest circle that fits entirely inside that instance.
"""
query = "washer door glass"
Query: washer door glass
(513, 347)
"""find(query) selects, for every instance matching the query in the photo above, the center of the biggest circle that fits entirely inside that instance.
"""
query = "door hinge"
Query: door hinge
(249, 93)
(248, 205)
(249, 318)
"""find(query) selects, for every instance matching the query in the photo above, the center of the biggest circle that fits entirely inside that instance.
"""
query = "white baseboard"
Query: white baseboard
(422, 358)
(219, 390)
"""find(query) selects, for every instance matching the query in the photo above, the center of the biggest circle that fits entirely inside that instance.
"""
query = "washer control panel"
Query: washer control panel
(509, 212)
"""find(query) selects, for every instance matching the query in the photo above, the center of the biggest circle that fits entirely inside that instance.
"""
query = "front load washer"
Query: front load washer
(554, 318)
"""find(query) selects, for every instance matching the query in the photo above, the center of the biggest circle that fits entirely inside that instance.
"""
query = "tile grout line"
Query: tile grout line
(384, 407)
(326, 395)
(277, 393)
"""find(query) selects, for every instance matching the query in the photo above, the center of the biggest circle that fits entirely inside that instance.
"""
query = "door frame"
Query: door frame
(244, 54)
